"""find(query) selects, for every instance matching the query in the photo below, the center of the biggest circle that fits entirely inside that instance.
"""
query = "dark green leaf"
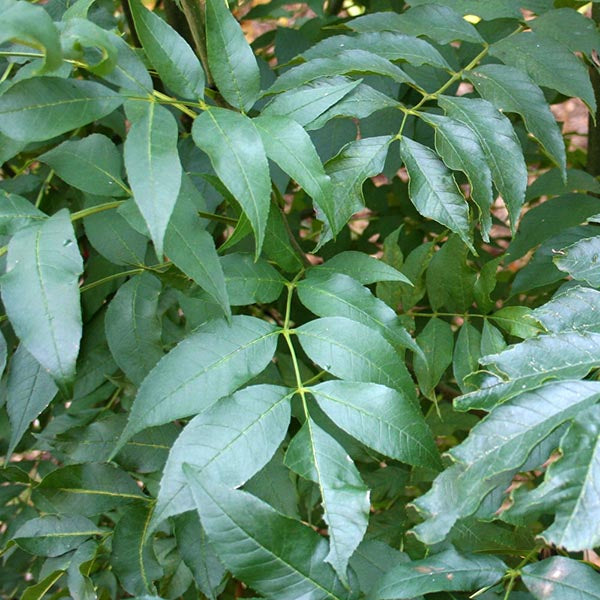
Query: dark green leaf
(467, 352)
(551, 183)
(486, 9)
(16, 213)
(580, 260)
(561, 578)
(365, 269)
(517, 321)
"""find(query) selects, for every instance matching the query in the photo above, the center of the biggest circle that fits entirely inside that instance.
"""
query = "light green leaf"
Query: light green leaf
(318, 457)
(175, 62)
(29, 390)
(337, 295)
(249, 281)
(192, 248)
(345, 62)
(511, 90)
(238, 156)
(230, 58)
(569, 490)
(486, 9)
(467, 352)
(496, 449)
(362, 267)
(354, 352)
(561, 578)
(133, 327)
(253, 541)
(433, 190)
(460, 149)
(492, 341)
(42, 108)
(437, 342)
(381, 418)
(44, 266)
(387, 44)
(517, 321)
(87, 490)
(132, 557)
(306, 103)
(214, 361)
(548, 63)
(53, 535)
(580, 260)
(153, 167)
(16, 213)
(224, 449)
(500, 145)
(32, 25)
(287, 144)
(92, 164)
(447, 571)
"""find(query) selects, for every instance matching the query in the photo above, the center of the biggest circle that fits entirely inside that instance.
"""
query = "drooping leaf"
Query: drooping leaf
(561, 577)
(380, 418)
(511, 90)
(447, 571)
(229, 451)
(41, 108)
(277, 556)
(133, 328)
(318, 457)
(29, 390)
(548, 63)
(153, 166)
(214, 361)
(44, 266)
(238, 156)
(433, 190)
(169, 53)
(230, 58)
(500, 146)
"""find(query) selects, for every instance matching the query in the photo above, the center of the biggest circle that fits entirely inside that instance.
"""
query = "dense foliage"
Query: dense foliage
(315, 317)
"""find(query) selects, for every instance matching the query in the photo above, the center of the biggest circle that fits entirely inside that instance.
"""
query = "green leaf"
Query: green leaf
(486, 9)
(517, 321)
(253, 541)
(561, 577)
(352, 351)
(130, 73)
(580, 260)
(17, 213)
(345, 62)
(92, 164)
(569, 489)
(435, 21)
(372, 560)
(32, 25)
(29, 390)
(460, 149)
(500, 145)
(492, 341)
(548, 63)
(467, 352)
(437, 342)
(496, 449)
(387, 44)
(53, 535)
(511, 90)
(176, 63)
(249, 281)
(226, 450)
(44, 266)
(337, 295)
(287, 144)
(238, 156)
(318, 457)
(230, 58)
(447, 571)
(450, 280)
(348, 171)
(381, 418)
(42, 108)
(153, 167)
(307, 102)
(133, 327)
(362, 267)
(192, 248)
(551, 183)
(433, 190)
(86, 490)
(39, 590)
(214, 361)
(132, 557)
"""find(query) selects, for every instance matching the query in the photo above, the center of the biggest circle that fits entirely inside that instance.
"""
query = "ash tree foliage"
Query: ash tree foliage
(312, 317)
